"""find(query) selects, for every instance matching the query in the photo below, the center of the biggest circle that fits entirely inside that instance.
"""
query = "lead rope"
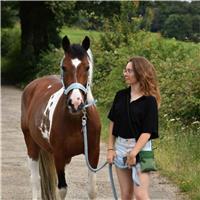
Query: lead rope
(84, 129)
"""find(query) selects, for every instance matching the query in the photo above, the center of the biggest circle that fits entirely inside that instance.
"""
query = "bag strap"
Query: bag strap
(130, 118)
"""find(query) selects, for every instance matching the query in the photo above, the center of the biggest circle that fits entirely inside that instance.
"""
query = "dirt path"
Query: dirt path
(15, 174)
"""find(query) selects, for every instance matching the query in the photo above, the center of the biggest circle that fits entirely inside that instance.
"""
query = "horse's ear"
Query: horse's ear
(86, 43)
(65, 43)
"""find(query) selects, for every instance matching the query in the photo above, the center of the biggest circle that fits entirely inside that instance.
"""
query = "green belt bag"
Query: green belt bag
(147, 161)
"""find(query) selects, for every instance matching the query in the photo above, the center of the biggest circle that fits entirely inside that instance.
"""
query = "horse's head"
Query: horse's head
(76, 73)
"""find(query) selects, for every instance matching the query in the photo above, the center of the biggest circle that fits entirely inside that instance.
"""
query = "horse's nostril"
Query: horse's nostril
(69, 102)
(80, 107)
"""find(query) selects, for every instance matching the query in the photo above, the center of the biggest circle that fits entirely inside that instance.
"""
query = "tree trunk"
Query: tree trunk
(34, 18)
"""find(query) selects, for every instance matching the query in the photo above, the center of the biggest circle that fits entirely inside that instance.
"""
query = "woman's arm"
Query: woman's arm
(111, 137)
(143, 139)
(111, 142)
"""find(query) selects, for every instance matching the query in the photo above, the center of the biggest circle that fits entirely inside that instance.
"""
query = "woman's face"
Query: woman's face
(129, 75)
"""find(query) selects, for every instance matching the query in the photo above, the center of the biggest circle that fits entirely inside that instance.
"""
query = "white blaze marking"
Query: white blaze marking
(76, 62)
(51, 105)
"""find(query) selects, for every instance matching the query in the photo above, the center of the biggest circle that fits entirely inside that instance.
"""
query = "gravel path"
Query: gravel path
(15, 182)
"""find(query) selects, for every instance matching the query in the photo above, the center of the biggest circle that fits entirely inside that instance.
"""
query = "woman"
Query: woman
(134, 122)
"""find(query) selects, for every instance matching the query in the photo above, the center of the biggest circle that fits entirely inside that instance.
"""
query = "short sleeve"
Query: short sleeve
(150, 123)
(112, 114)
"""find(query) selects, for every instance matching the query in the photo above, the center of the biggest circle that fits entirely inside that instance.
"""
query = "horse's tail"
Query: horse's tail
(48, 176)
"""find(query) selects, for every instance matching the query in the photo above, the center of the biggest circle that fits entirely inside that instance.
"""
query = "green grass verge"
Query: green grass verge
(76, 35)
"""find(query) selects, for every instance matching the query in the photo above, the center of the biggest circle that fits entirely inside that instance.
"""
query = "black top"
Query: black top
(144, 114)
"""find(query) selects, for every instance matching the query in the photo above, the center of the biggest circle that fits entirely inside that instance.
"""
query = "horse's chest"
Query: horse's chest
(47, 116)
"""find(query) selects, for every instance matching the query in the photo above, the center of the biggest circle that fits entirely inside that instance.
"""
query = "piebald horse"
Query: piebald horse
(51, 113)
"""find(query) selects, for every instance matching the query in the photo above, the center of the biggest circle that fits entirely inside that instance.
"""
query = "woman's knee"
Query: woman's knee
(141, 195)
(127, 195)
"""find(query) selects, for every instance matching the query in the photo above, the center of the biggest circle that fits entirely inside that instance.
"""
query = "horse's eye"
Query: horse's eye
(63, 68)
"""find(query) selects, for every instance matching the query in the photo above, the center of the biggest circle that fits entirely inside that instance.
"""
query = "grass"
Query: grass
(178, 156)
(76, 35)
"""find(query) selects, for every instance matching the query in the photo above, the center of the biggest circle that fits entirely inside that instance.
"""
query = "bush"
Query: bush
(49, 63)
(11, 66)
(176, 63)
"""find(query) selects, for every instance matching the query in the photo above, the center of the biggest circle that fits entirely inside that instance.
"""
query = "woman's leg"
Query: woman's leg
(142, 192)
(125, 183)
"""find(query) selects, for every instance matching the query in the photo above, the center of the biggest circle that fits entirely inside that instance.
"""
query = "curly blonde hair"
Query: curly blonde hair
(145, 74)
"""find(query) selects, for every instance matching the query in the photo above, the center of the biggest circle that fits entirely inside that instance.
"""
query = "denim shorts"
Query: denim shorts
(123, 146)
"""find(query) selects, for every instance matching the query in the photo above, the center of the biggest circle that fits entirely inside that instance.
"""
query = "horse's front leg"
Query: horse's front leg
(92, 188)
(60, 169)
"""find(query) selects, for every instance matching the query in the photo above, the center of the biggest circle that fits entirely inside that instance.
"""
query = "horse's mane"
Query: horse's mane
(89, 52)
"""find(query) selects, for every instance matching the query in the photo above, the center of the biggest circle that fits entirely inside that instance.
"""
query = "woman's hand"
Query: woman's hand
(131, 159)
(110, 156)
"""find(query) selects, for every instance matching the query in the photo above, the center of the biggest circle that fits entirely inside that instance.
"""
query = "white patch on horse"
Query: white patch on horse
(48, 113)
(62, 192)
(92, 188)
(35, 177)
(49, 86)
(76, 62)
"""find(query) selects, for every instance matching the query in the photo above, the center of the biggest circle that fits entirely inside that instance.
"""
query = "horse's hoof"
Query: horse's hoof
(63, 192)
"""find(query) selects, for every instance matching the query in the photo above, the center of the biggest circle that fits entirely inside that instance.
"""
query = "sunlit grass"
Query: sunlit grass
(76, 35)
(178, 156)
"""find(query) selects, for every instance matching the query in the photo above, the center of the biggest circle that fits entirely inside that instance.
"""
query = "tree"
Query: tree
(178, 26)
(165, 15)
(41, 22)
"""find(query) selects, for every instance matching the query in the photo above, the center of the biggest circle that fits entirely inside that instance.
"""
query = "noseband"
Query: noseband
(75, 86)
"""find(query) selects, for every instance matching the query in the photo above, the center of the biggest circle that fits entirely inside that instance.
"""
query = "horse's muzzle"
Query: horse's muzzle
(72, 108)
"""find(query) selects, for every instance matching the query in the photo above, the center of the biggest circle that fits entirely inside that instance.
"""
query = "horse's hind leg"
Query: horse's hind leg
(33, 161)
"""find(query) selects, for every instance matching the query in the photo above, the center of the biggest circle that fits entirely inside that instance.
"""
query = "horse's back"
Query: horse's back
(36, 95)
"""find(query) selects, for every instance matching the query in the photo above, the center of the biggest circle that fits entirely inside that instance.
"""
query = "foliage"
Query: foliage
(10, 51)
(89, 20)
(49, 62)
(9, 14)
(61, 11)
(177, 65)
(90, 15)
(178, 26)
(174, 19)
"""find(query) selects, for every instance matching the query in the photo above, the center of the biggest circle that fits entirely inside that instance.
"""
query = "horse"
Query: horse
(51, 112)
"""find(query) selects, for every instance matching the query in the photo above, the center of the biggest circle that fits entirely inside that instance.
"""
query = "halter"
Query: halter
(75, 86)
